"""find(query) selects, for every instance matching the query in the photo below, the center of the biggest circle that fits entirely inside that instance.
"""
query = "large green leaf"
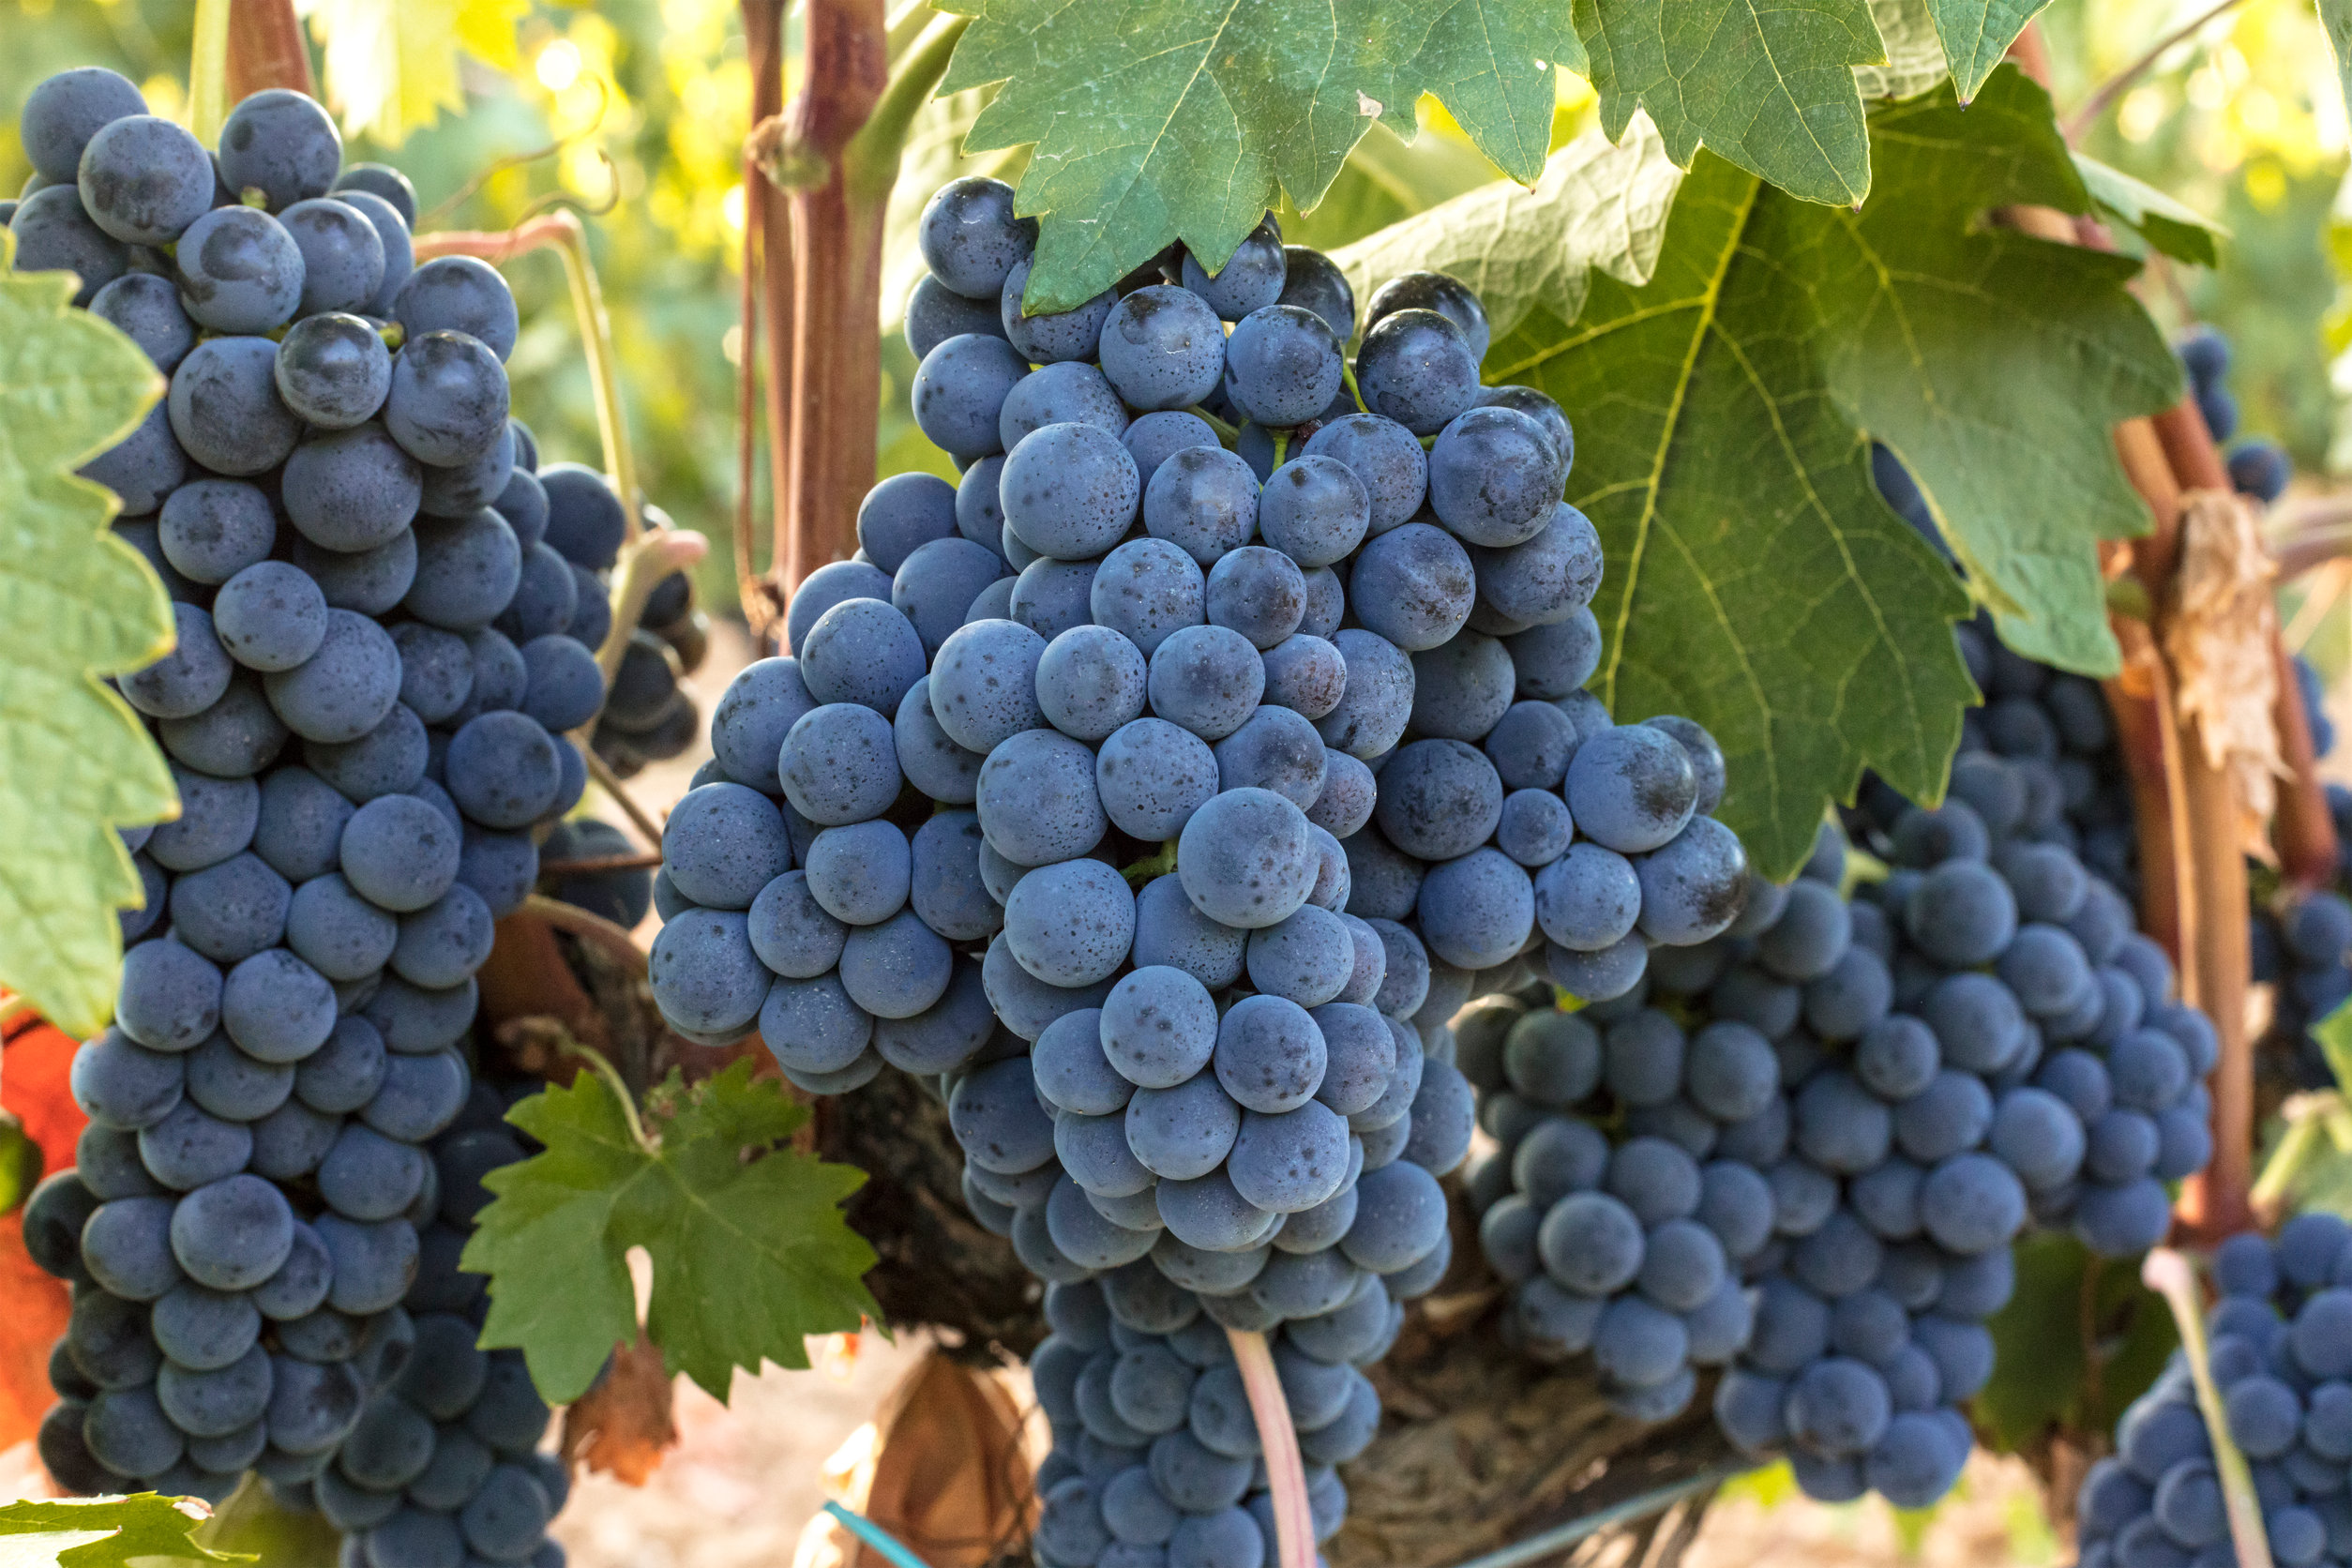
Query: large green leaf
(105, 1533)
(1159, 120)
(748, 1255)
(1726, 378)
(76, 603)
(2079, 1340)
(1768, 86)
(2169, 226)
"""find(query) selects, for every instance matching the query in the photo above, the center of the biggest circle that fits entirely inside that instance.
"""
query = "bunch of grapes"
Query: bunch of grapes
(380, 611)
(1850, 1108)
(2281, 1355)
(1163, 799)
(649, 714)
(621, 894)
(443, 1465)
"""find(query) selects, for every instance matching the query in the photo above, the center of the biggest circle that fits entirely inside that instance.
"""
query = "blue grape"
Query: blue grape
(1631, 789)
(1377, 701)
(147, 309)
(1413, 585)
(960, 390)
(1548, 578)
(970, 237)
(1207, 679)
(1091, 682)
(861, 874)
(1163, 348)
(143, 179)
(271, 617)
(1257, 591)
(54, 232)
(239, 271)
(1416, 366)
(1204, 499)
(1283, 366)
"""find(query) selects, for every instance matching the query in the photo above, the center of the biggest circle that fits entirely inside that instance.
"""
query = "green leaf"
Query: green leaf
(1385, 181)
(1769, 87)
(748, 1256)
(1976, 34)
(76, 602)
(2072, 1347)
(2334, 1035)
(104, 1533)
(1725, 378)
(1598, 206)
(2169, 226)
(1156, 121)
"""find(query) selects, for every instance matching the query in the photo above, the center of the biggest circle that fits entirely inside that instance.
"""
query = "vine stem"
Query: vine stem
(2301, 1143)
(646, 558)
(601, 771)
(588, 865)
(604, 1069)
(2167, 1273)
(1285, 1472)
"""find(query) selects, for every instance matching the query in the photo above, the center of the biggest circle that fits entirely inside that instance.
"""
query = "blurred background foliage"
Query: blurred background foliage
(638, 107)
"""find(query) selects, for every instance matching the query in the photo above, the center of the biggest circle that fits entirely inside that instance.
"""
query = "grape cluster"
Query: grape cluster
(381, 599)
(1156, 1458)
(1804, 1147)
(2281, 1355)
(650, 715)
(621, 895)
(442, 1466)
(1162, 788)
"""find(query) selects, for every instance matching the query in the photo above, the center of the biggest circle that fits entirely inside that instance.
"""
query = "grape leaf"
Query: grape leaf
(2047, 1338)
(1768, 86)
(1724, 396)
(748, 1257)
(1976, 34)
(391, 66)
(2171, 227)
(103, 1532)
(1156, 121)
(76, 602)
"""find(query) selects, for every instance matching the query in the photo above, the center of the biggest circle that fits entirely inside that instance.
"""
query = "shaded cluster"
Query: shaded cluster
(2280, 1353)
(386, 615)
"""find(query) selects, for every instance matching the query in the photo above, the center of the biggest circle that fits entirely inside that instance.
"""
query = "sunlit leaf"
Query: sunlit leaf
(1769, 87)
(391, 66)
(1725, 372)
(2171, 227)
(104, 1533)
(76, 603)
(1156, 121)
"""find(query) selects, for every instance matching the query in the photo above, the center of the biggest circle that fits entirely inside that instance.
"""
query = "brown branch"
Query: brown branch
(266, 50)
(2304, 830)
(768, 282)
(601, 771)
(827, 462)
(642, 860)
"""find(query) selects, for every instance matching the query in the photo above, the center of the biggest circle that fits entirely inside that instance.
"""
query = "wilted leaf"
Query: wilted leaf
(391, 66)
